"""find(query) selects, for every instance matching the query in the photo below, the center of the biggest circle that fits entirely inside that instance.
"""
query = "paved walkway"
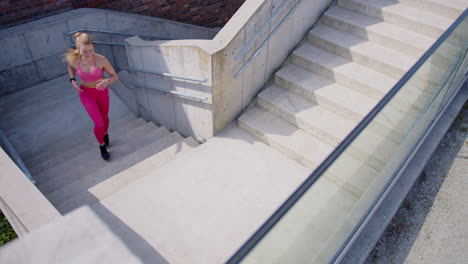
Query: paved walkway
(431, 224)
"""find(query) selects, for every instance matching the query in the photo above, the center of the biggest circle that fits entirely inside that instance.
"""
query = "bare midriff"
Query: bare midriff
(90, 84)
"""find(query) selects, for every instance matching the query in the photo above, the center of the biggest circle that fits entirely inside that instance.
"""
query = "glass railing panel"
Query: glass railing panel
(320, 223)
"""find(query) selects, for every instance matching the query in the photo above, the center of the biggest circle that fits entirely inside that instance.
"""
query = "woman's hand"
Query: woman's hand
(73, 83)
(102, 84)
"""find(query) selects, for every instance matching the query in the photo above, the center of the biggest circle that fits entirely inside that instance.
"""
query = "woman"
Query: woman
(93, 90)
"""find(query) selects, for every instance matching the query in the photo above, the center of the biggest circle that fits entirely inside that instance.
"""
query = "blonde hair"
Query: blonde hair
(80, 39)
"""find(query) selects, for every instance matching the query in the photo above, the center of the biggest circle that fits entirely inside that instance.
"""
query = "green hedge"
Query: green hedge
(6, 231)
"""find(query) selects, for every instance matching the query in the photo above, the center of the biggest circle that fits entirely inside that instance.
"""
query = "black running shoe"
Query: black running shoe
(106, 140)
(104, 154)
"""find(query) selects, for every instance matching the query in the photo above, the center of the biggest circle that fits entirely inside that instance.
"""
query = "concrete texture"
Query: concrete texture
(293, 142)
(125, 93)
(15, 52)
(66, 172)
(66, 149)
(206, 196)
(189, 117)
(426, 23)
(124, 178)
(71, 196)
(337, 98)
(410, 42)
(343, 71)
(26, 74)
(362, 79)
(47, 41)
(66, 237)
(450, 9)
(384, 60)
(306, 115)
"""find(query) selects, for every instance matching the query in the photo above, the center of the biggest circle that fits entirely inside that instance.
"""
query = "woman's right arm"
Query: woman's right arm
(71, 73)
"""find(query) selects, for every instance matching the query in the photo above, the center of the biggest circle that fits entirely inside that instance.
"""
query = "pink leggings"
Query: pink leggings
(96, 103)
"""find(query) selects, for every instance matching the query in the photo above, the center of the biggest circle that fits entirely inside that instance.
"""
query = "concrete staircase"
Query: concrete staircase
(350, 59)
(347, 63)
(202, 206)
(64, 158)
(138, 148)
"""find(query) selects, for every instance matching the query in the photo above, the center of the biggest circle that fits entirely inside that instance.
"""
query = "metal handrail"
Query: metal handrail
(112, 32)
(266, 40)
(246, 46)
(16, 157)
(166, 74)
(322, 168)
(193, 97)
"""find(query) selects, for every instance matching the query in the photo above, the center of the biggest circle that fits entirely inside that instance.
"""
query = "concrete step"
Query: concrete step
(353, 75)
(132, 174)
(308, 116)
(384, 60)
(15, 116)
(309, 150)
(205, 195)
(37, 96)
(69, 171)
(84, 141)
(420, 21)
(293, 142)
(115, 177)
(32, 133)
(391, 36)
(336, 97)
(344, 71)
(343, 101)
(446, 8)
(362, 51)
(352, 174)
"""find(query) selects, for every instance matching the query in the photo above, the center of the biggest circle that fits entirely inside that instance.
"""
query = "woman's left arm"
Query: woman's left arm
(113, 75)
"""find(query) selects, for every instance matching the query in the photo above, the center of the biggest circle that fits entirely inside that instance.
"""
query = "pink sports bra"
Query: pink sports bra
(94, 75)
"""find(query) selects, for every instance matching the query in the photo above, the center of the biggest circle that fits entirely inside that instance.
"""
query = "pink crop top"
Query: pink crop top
(94, 75)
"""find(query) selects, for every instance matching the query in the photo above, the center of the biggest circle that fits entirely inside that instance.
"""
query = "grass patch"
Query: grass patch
(6, 231)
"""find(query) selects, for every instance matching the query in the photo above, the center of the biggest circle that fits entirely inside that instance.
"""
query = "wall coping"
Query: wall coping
(25, 207)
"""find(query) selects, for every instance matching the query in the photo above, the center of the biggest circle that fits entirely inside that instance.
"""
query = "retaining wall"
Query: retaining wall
(32, 53)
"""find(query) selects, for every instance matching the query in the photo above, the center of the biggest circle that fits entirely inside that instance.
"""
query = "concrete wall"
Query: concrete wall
(32, 53)
(22, 203)
(214, 60)
(187, 116)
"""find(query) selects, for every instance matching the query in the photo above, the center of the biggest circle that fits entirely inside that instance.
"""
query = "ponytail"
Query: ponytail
(73, 54)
